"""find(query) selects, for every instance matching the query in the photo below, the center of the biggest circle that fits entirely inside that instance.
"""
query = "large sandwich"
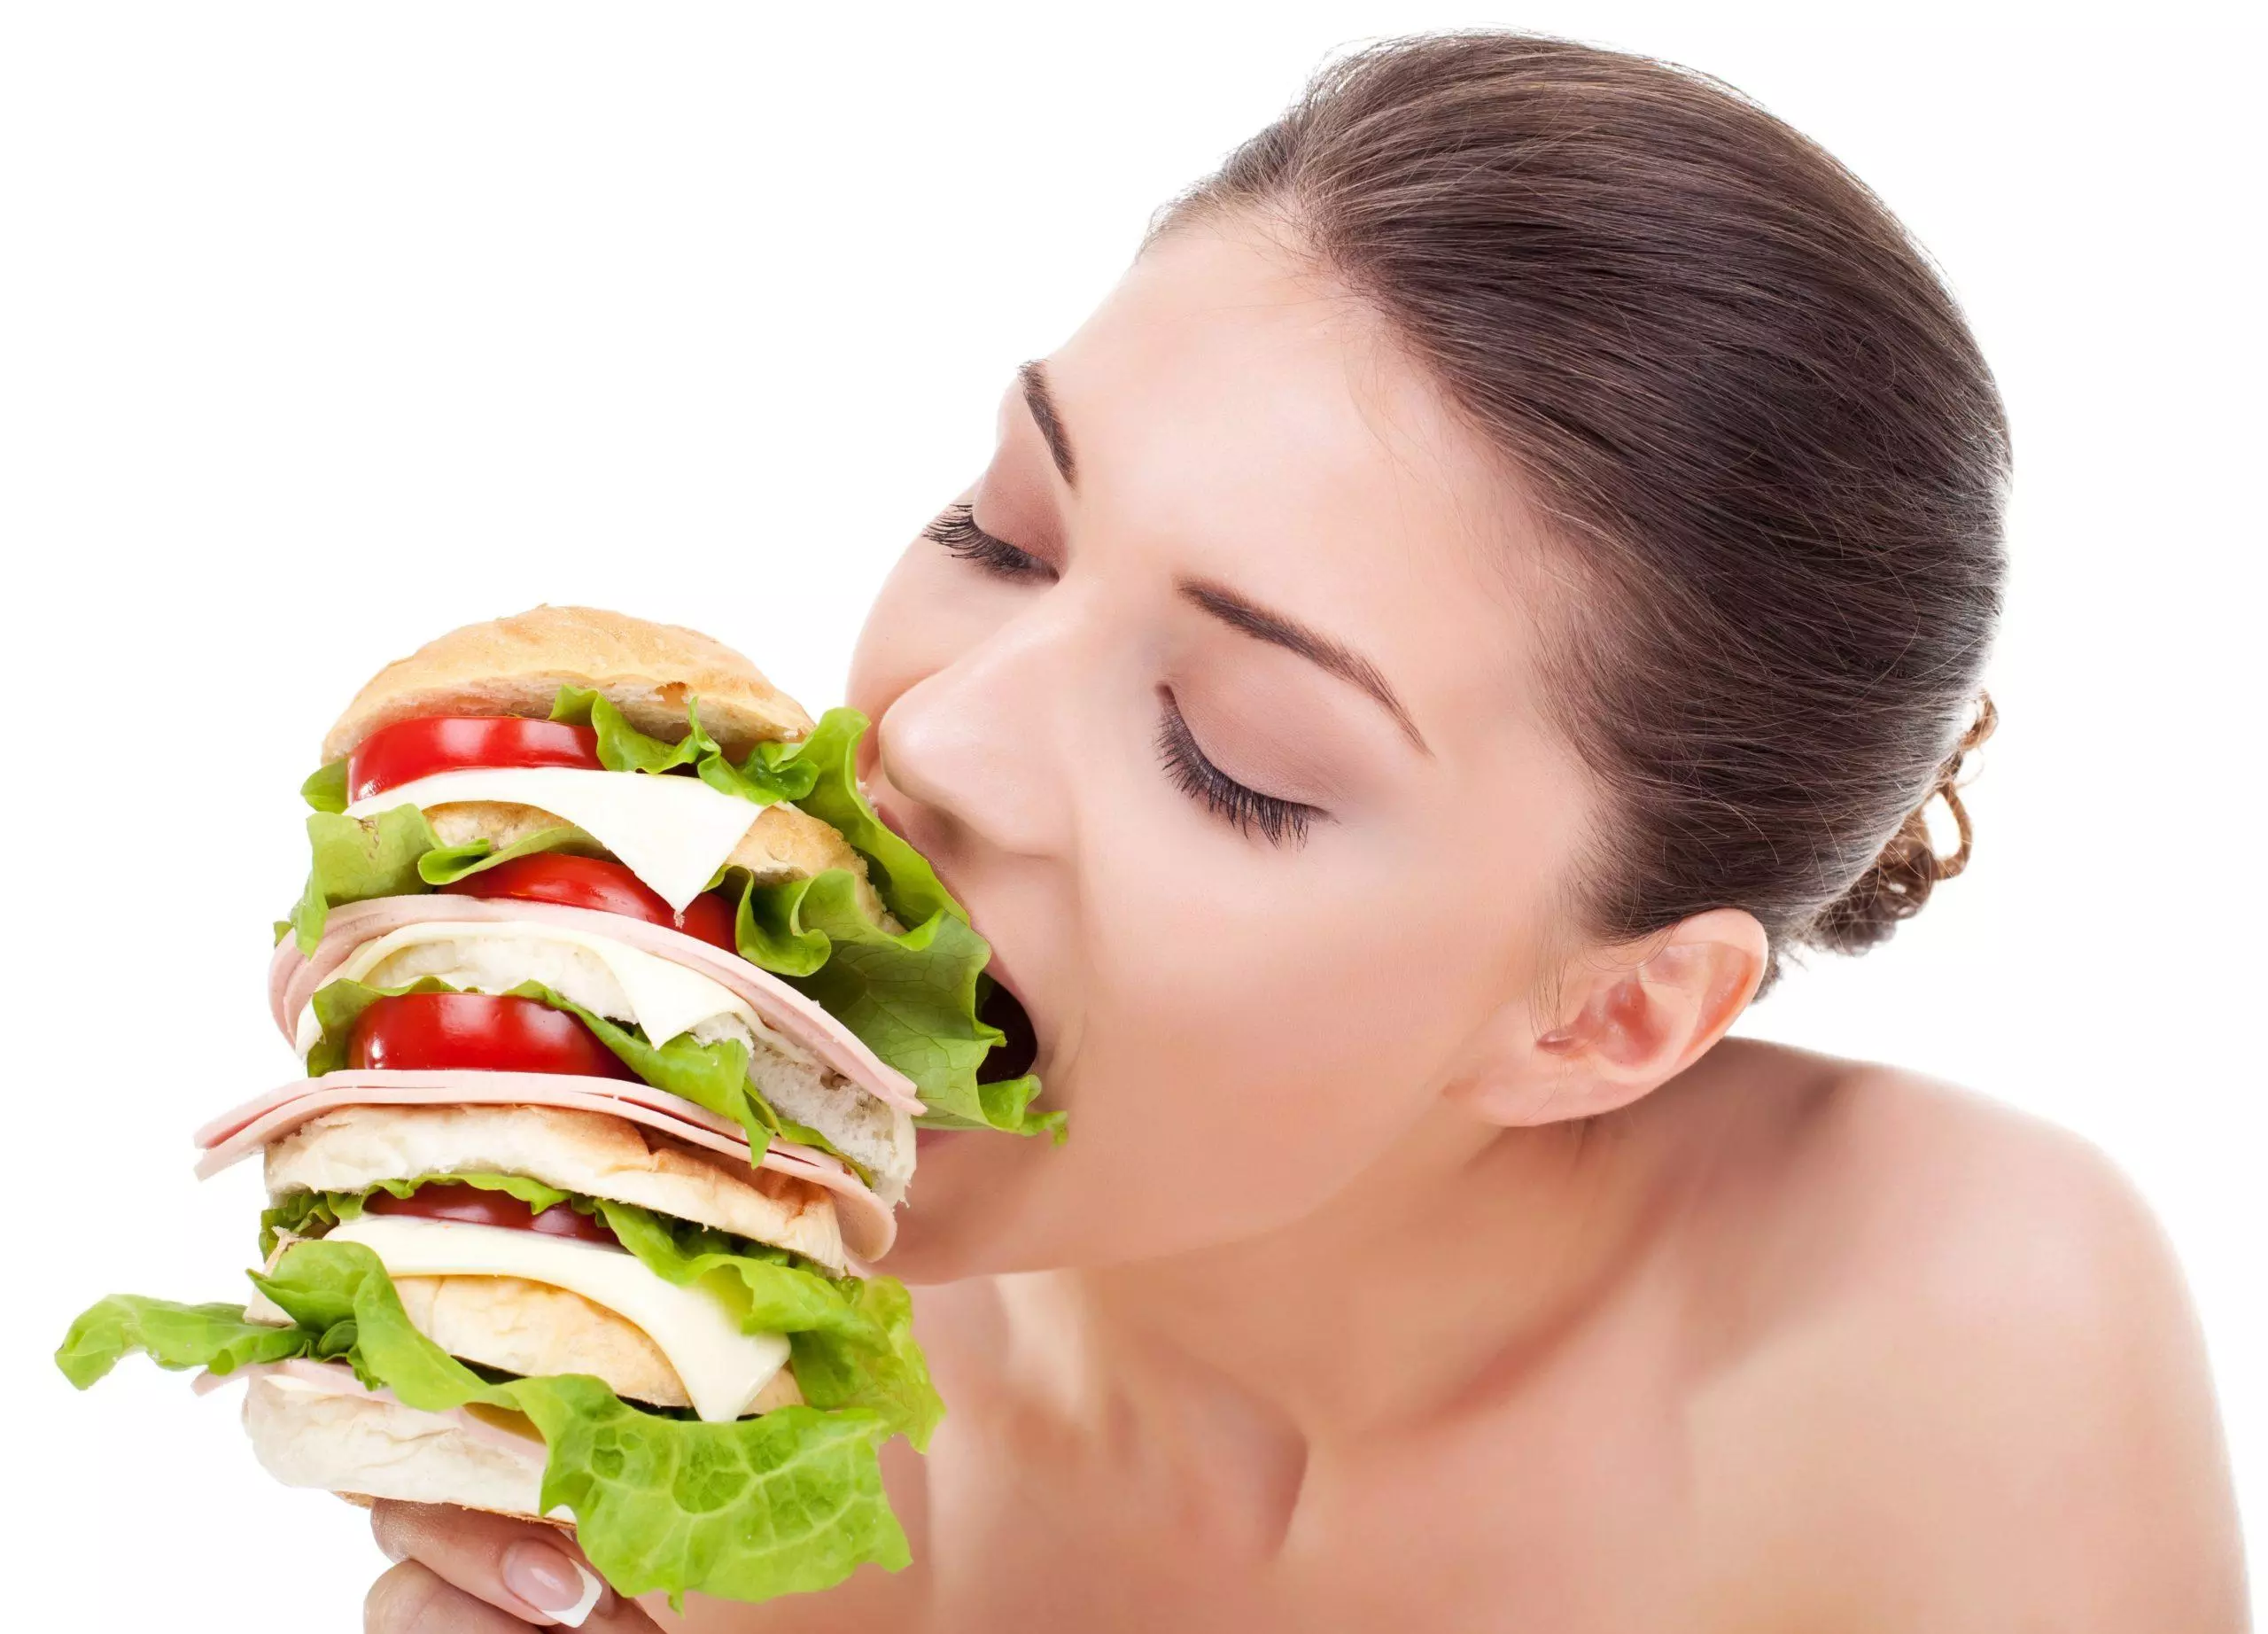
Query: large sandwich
(618, 1006)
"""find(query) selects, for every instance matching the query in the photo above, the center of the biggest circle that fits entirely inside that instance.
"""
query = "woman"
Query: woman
(1510, 564)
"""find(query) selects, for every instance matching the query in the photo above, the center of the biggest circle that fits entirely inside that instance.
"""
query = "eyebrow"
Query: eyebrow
(1042, 404)
(1278, 631)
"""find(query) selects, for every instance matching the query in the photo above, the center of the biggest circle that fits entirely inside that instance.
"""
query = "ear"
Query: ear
(1620, 1027)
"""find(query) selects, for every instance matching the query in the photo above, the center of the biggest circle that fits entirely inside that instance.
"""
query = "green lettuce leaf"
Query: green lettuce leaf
(902, 877)
(762, 778)
(764, 928)
(852, 1337)
(396, 853)
(912, 996)
(173, 1335)
(714, 1075)
(356, 858)
(788, 1502)
(325, 790)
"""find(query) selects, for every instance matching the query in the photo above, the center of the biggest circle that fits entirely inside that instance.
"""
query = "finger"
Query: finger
(411, 1599)
(532, 1571)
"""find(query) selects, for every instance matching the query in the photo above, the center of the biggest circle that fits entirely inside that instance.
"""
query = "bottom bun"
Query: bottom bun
(558, 1524)
(366, 1446)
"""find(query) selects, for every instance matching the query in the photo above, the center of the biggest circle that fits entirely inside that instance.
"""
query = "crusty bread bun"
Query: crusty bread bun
(587, 1153)
(534, 1329)
(516, 665)
(369, 1447)
(782, 844)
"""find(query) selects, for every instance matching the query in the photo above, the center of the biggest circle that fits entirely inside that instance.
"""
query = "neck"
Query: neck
(1465, 1251)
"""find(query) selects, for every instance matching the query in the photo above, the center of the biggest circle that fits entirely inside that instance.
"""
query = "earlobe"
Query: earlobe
(1626, 1025)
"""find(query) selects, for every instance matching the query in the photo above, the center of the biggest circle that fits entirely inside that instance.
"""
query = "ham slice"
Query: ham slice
(867, 1223)
(293, 979)
(337, 1379)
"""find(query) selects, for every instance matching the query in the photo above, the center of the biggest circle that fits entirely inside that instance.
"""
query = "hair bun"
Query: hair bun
(1901, 880)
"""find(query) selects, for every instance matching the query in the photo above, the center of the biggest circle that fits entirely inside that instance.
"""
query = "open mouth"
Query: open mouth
(997, 1005)
(1012, 1058)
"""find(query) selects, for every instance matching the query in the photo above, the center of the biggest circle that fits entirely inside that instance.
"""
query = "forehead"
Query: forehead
(1236, 410)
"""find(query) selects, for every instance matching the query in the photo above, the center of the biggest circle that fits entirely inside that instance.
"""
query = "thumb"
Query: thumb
(533, 1572)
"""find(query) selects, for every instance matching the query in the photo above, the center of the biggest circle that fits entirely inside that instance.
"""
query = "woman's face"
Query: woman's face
(1218, 711)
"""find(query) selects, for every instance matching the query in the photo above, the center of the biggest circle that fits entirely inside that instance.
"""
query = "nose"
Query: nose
(983, 744)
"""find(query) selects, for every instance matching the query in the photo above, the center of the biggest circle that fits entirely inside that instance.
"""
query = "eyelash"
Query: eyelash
(957, 531)
(1278, 822)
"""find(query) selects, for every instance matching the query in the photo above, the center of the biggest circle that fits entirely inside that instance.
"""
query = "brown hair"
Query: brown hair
(1749, 410)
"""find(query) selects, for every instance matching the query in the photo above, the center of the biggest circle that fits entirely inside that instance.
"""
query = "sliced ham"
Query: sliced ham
(293, 979)
(868, 1225)
(337, 1379)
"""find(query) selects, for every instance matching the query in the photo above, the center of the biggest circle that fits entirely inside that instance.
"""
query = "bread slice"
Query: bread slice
(365, 1447)
(516, 666)
(586, 1152)
(370, 1447)
(534, 1329)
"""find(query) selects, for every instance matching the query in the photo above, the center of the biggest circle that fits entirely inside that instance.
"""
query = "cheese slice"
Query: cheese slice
(723, 1369)
(674, 833)
(662, 997)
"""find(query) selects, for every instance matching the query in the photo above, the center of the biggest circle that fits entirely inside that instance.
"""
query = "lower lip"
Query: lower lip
(930, 1139)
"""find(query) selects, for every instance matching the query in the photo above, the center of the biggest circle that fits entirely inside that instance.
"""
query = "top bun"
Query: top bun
(516, 666)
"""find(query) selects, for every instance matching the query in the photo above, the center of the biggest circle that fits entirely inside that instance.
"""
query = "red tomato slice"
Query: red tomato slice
(433, 1031)
(473, 1205)
(586, 881)
(409, 750)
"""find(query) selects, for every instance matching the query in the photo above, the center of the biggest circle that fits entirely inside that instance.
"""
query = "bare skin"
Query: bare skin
(1417, 1260)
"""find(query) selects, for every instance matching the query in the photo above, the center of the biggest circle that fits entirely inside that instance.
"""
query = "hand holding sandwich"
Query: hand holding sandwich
(466, 1572)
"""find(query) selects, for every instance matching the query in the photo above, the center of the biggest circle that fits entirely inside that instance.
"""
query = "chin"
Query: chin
(944, 1249)
(975, 1209)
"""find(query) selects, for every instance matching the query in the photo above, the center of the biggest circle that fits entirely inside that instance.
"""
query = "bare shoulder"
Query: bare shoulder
(1952, 1374)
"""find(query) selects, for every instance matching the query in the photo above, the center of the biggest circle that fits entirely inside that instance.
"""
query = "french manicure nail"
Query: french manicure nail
(552, 1581)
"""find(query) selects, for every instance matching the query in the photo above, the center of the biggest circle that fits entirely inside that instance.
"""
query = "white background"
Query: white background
(325, 329)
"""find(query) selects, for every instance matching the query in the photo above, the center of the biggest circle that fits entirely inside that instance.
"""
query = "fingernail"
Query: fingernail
(552, 1581)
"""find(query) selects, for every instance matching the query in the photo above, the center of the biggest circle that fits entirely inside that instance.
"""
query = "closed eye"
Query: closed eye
(1278, 822)
(957, 531)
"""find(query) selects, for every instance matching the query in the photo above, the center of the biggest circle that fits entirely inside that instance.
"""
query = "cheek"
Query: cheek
(1259, 1039)
(1251, 1034)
